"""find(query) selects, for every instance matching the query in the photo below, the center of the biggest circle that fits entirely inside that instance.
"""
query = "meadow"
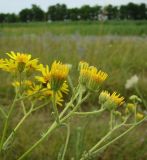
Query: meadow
(119, 48)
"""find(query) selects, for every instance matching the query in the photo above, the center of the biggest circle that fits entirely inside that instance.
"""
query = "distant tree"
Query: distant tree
(112, 11)
(2, 17)
(73, 14)
(95, 10)
(133, 11)
(37, 13)
(142, 11)
(123, 12)
(25, 15)
(57, 12)
(11, 18)
(85, 12)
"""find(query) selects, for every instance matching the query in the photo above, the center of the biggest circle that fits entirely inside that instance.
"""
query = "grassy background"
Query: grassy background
(118, 48)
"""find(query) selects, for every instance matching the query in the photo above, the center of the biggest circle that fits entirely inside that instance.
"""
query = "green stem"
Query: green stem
(23, 107)
(70, 84)
(111, 120)
(89, 113)
(75, 108)
(121, 135)
(140, 95)
(15, 130)
(6, 123)
(21, 122)
(105, 137)
(3, 112)
(53, 126)
(67, 140)
(69, 104)
(55, 108)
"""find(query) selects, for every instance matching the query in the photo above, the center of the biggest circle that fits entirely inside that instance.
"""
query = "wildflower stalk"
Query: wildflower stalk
(89, 113)
(53, 127)
(32, 109)
(90, 152)
(121, 135)
(55, 108)
(67, 140)
(3, 113)
(141, 96)
(111, 120)
(6, 123)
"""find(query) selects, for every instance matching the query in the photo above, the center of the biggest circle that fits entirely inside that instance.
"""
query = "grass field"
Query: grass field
(119, 48)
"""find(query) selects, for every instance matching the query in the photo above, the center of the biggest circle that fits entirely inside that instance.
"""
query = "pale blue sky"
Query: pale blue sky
(17, 5)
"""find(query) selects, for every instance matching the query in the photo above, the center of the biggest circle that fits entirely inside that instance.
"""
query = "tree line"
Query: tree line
(60, 12)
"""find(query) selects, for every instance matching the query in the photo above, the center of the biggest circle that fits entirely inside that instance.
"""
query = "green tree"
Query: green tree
(37, 13)
(25, 15)
(57, 12)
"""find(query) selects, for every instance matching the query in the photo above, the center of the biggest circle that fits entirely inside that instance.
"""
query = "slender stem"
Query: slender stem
(23, 107)
(55, 108)
(89, 113)
(6, 123)
(21, 122)
(121, 135)
(67, 140)
(141, 96)
(15, 130)
(111, 120)
(106, 136)
(75, 108)
(53, 126)
(39, 107)
(135, 112)
(70, 103)
(70, 84)
(3, 112)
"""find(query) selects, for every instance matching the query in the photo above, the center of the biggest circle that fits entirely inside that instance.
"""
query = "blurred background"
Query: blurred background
(111, 35)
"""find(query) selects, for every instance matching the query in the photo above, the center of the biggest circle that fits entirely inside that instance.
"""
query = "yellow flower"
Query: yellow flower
(9, 66)
(117, 99)
(32, 65)
(19, 57)
(104, 96)
(27, 83)
(20, 62)
(45, 78)
(110, 101)
(59, 73)
(2, 63)
(90, 76)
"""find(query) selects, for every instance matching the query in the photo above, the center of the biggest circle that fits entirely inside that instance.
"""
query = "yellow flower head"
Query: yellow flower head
(2, 63)
(46, 76)
(59, 73)
(117, 99)
(104, 96)
(9, 66)
(32, 65)
(90, 76)
(110, 101)
(21, 61)
(19, 57)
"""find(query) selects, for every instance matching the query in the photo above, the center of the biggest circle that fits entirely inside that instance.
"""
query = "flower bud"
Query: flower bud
(139, 116)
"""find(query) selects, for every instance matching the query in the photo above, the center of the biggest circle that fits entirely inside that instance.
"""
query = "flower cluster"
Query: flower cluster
(90, 77)
(110, 101)
(42, 86)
